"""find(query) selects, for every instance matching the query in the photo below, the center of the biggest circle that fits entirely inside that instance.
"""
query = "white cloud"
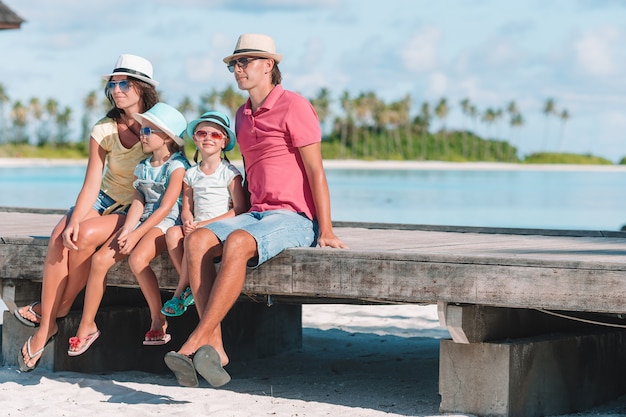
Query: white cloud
(595, 51)
(420, 52)
(437, 85)
(503, 53)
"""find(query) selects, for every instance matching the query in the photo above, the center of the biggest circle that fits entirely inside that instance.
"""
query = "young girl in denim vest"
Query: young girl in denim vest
(155, 208)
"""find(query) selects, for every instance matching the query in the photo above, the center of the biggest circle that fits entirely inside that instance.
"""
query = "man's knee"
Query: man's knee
(201, 241)
(240, 241)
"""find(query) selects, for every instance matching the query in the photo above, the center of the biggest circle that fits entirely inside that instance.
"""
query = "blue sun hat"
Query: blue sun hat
(219, 119)
(166, 118)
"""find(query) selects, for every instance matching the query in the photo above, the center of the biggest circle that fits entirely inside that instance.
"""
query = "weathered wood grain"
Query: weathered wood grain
(561, 270)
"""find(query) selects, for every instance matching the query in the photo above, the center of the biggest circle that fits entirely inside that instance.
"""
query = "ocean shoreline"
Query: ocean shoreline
(362, 164)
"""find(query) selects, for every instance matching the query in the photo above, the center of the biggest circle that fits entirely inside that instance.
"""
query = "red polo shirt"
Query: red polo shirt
(268, 140)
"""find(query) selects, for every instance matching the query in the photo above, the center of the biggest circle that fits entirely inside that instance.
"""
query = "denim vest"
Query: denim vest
(153, 190)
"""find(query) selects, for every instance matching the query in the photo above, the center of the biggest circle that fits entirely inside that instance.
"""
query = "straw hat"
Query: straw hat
(219, 119)
(133, 66)
(166, 118)
(252, 44)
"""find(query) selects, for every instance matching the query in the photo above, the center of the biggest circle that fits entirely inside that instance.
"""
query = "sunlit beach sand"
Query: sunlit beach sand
(365, 361)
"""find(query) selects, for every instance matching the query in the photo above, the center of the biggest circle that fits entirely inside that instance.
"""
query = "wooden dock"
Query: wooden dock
(493, 288)
(518, 268)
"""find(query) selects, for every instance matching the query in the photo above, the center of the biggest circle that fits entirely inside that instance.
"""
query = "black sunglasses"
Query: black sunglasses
(242, 62)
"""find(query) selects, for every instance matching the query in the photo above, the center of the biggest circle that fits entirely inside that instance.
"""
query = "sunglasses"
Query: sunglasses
(147, 131)
(124, 85)
(202, 134)
(242, 62)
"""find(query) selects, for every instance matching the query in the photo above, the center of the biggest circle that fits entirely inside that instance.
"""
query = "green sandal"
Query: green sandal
(174, 307)
(187, 297)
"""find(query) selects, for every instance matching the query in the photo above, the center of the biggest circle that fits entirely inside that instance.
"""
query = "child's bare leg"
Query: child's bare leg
(151, 244)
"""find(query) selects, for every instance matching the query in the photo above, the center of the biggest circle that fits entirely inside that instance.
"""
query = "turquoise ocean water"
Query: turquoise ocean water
(553, 199)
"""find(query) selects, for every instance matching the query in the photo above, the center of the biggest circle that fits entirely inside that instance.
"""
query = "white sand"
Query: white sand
(361, 361)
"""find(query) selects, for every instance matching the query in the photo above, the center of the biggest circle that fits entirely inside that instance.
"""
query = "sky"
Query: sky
(489, 51)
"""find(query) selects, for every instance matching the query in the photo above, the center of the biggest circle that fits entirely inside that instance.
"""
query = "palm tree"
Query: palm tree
(19, 116)
(63, 122)
(512, 110)
(365, 106)
(441, 111)
(209, 101)
(498, 116)
(489, 117)
(36, 112)
(51, 109)
(346, 123)
(474, 115)
(517, 121)
(404, 119)
(465, 109)
(548, 109)
(564, 118)
(90, 103)
(187, 108)
(232, 100)
(4, 99)
(321, 103)
(425, 118)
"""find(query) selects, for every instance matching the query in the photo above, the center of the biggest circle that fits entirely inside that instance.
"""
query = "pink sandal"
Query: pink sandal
(86, 342)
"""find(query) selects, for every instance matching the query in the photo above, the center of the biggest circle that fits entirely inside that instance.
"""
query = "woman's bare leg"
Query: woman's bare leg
(61, 284)
(107, 256)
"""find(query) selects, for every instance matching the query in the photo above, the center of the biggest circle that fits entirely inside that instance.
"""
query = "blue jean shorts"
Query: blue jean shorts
(105, 205)
(273, 230)
(172, 218)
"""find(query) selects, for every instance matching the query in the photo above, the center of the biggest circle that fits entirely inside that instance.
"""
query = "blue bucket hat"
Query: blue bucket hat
(166, 118)
(219, 119)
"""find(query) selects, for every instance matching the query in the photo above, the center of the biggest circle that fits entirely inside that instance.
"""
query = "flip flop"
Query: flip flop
(86, 341)
(26, 321)
(31, 355)
(183, 369)
(156, 338)
(208, 363)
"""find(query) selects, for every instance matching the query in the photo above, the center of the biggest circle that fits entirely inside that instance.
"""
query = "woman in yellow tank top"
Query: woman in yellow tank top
(100, 209)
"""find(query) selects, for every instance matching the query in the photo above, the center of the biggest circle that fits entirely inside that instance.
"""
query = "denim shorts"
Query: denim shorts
(273, 230)
(171, 219)
(105, 205)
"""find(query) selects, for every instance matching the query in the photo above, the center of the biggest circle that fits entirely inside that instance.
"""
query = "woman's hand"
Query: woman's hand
(70, 235)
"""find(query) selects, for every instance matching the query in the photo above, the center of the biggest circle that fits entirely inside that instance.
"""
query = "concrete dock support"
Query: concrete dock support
(537, 376)
(250, 330)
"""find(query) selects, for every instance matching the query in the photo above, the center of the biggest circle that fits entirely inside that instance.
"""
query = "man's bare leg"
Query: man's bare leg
(225, 289)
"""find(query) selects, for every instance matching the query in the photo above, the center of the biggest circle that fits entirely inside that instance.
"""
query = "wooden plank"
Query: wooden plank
(565, 271)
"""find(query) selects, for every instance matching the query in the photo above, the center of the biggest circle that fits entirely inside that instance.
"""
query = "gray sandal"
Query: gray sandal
(25, 321)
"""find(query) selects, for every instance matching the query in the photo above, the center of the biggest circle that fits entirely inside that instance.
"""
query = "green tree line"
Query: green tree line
(361, 127)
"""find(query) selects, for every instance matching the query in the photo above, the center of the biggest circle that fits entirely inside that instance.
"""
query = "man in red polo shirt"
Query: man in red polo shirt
(279, 135)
